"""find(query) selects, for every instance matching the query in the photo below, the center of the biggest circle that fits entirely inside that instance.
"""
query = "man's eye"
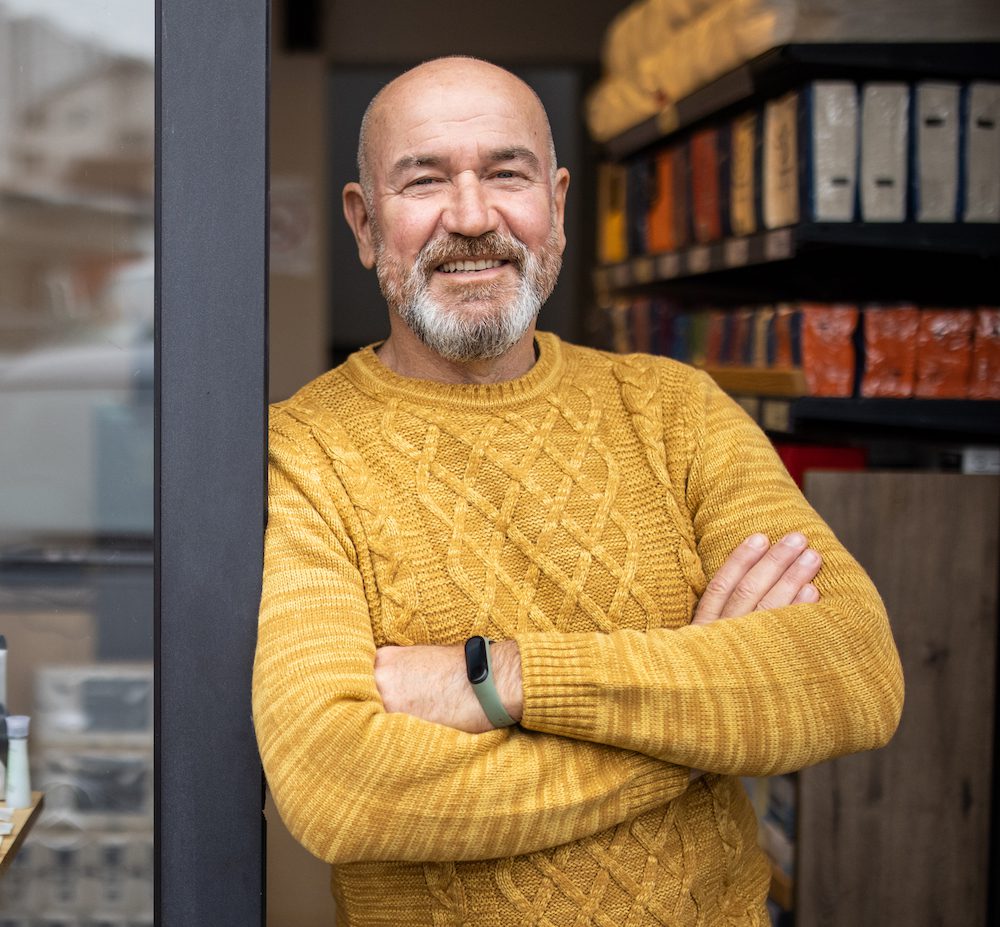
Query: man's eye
(423, 181)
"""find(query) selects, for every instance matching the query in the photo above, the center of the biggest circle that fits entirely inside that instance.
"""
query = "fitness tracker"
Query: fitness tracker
(480, 672)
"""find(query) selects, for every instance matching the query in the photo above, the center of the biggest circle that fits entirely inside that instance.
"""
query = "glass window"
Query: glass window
(76, 451)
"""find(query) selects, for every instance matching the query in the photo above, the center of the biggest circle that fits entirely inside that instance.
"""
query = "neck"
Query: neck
(405, 354)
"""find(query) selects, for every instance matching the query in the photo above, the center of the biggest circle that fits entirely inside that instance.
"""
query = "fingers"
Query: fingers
(807, 595)
(776, 579)
(759, 575)
(720, 587)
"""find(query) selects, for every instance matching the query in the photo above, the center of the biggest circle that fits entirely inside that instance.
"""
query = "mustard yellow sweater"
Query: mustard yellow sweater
(578, 509)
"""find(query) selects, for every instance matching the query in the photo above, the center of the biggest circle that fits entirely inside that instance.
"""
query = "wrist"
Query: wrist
(506, 660)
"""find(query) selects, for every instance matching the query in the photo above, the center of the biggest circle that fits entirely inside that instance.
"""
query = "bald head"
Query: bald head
(437, 79)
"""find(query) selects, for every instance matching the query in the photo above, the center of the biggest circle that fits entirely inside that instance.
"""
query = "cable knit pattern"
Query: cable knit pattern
(577, 509)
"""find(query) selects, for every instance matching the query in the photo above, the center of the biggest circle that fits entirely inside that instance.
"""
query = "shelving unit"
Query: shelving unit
(931, 264)
(921, 263)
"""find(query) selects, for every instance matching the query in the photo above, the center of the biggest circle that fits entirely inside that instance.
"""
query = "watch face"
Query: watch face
(475, 660)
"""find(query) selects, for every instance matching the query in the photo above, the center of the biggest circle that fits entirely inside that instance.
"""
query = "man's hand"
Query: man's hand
(758, 576)
(431, 683)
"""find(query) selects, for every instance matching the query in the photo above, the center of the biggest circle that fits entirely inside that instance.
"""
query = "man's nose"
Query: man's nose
(469, 211)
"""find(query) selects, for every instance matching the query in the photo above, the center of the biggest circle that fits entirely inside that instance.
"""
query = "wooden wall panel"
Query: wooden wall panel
(901, 835)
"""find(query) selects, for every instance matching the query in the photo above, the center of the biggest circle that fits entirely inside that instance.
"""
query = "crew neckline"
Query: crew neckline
(369, 374)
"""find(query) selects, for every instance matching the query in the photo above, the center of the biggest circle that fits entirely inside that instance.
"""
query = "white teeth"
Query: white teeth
(451, 267)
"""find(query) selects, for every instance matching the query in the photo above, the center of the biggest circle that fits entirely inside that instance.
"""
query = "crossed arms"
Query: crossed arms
(429, 682)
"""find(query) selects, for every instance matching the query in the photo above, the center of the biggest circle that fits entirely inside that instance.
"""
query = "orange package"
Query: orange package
(660, 220)
(706, 208)
(890, 351)
(944, 353)
(985, 380)
(828, 356)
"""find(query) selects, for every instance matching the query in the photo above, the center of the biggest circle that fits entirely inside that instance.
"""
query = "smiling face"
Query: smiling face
(463, 212)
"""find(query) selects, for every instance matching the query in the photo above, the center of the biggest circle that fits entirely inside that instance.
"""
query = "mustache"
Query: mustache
(497, 245)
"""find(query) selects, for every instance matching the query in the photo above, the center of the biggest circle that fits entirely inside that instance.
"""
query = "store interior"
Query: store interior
(801, 197)
(850, 841)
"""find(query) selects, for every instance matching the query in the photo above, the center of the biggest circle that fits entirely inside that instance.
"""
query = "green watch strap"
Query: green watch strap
(486, 692)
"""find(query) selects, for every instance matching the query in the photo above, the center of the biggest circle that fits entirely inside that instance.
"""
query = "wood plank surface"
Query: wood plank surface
(901, 835)
(24, 820)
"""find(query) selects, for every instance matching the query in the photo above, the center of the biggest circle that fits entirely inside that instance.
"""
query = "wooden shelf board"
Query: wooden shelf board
(757, 382)
(24, 820)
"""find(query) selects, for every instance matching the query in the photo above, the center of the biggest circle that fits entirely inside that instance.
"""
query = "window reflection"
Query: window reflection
(76, 450)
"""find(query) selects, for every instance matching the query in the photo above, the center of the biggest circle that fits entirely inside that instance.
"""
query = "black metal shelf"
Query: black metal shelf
(967, 241)
(965, 416)
(966, 419)
(787, 66)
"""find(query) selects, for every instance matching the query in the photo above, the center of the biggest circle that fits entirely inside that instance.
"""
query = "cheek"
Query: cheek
(532, 223)
(411, 229)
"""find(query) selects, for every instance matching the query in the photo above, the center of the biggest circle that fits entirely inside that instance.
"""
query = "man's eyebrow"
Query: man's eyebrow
(408, 162)
(515, 153)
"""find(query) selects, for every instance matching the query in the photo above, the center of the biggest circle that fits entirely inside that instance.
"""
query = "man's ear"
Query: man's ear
(559, 204)
(356, 214)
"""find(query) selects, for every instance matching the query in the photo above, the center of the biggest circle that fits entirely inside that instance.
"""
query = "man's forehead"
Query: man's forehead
(427, 113)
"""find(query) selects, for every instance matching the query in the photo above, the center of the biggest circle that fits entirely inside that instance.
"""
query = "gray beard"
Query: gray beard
(474, 335)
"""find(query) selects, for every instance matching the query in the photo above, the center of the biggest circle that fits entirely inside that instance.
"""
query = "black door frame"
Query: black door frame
(211, 329)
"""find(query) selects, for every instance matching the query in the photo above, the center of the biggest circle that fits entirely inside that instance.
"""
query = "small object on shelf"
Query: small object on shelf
(935, 151)
(828, 357)
(781, 162)
(706, 195)
(830, 150)
(18, 771)
(944, 353)
(985, 380)
(639, 180)
(744, 173)
(612, 243)
(981, 162)
(890, 340)
(799, 458)
(784, 340)
(885, 108)
(661, 216)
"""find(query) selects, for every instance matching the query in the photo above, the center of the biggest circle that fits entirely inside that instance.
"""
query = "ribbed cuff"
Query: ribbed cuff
(560, 692)
(562, 696)
(654, 784)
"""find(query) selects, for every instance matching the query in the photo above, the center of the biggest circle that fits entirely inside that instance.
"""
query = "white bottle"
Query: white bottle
(18, 774)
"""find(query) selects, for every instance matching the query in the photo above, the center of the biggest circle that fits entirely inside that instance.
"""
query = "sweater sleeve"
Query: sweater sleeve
(769, 692)
(353, 782)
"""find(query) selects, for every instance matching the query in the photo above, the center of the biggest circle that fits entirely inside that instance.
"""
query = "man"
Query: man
(471, 479)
